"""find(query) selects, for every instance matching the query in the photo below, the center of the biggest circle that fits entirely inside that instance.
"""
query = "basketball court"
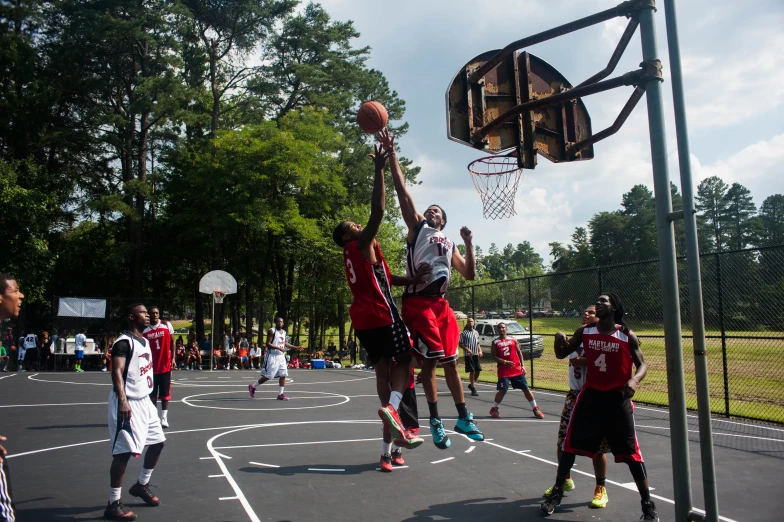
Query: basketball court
(232, 458)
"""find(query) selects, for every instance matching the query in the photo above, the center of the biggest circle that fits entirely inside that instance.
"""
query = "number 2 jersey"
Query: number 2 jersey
(506, 349)
(370, 284)
(609, 360)
(160, 338)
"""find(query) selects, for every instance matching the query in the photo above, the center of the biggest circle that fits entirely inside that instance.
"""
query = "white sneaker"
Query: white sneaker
(104, 369)
(164, 423)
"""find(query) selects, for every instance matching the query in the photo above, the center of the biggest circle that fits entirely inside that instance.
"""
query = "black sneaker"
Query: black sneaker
(144, 493)
(649, 511)
(552, 501)
(116, 511)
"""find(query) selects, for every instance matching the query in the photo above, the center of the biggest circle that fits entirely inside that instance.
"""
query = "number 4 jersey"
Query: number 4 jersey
(160, 337)
(609, 359)
(373, 306)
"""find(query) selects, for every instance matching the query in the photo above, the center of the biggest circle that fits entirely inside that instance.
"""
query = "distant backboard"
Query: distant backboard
(519, 78)
(218, 281)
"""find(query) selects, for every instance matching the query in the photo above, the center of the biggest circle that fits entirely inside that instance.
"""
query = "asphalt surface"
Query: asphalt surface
(232, 458)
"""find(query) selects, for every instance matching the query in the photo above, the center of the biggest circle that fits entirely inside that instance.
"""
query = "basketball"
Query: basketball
(372, 117)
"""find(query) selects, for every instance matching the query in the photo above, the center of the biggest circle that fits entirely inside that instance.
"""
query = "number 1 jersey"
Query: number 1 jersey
(160, 338)
(373, 306)
(609, 359)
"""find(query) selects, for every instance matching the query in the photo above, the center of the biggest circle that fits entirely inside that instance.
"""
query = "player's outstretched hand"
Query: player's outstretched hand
(380, 157)
(386, 140)
(466, 234)
(560, 340)
(3, 452)
(423, 273)
(630, 388)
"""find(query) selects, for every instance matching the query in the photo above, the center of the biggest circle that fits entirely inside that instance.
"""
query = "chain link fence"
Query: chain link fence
(743, 299)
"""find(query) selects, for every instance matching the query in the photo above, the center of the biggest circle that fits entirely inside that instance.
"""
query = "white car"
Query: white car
(488, 332)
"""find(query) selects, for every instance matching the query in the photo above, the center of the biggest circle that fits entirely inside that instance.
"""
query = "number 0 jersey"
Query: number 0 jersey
(506, 349)
(160, 339)
(138, 367)
(373, 306)
(609, 358)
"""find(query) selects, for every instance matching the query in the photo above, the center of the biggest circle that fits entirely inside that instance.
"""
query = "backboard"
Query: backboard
(520, 77)
(218, 281)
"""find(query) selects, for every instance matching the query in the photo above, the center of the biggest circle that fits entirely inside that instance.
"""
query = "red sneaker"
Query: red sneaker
(391, 419)
(397, 458)
(409, 441)
(386, 463)
(538, 413)
(414, 431)
(494, 412)
(282, 397)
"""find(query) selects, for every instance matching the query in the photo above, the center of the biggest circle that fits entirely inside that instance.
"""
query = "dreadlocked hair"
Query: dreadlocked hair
(618, 313)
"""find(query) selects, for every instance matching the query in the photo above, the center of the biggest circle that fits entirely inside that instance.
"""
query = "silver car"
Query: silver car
(488, 332)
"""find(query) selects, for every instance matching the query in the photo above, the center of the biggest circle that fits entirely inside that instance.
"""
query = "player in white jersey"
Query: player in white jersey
(426, 313)
(10, 304)
(30, 347)
(275, 364)
(133, 419)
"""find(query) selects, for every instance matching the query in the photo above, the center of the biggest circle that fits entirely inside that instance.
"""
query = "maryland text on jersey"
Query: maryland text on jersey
(603, 346)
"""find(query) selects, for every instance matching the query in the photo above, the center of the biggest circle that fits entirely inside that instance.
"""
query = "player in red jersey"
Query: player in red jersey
(374, 313)
(510, 371)
(604, 409)
(160, 335)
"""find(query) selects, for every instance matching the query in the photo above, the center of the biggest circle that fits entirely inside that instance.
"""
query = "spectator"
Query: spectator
(180, 354)
(233, 357)
(4, 358)
(79, 345)
(221, 360)
(255, 356)
(44, 352)
(243, 354)
(352, 350)
(8, 342)
(194, 356)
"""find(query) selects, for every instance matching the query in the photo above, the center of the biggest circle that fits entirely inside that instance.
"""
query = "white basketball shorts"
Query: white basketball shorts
(274, 366)
(21, 354)
(144, 428)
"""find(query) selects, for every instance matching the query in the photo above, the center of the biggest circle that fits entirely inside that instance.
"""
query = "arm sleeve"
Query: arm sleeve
(121, 349)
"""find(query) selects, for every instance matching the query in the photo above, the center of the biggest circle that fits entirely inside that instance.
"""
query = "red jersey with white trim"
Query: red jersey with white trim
(160, 339)
(506, 349)
(609, 360)
(373, 306)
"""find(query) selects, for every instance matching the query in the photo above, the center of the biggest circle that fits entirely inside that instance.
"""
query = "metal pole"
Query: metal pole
(212, 330)
(668, 272)
(723, 337)
(530, 329)
(473, 303)
(693, 265)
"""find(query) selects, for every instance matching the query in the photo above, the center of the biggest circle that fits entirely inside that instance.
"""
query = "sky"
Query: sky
(733, 70)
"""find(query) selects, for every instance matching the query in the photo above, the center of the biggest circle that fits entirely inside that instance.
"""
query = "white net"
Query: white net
(218, 297)
(496, 179)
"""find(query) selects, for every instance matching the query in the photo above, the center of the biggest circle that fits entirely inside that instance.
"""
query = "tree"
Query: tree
(711, 202)
(608, 237)
(771, 221)
(738, 216)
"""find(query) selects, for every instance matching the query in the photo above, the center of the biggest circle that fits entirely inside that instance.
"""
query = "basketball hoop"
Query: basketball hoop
(496, 179)
(218, 297)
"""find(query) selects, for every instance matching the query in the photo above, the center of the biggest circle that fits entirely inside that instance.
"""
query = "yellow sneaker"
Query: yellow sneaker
(568, 486)
(599, 497)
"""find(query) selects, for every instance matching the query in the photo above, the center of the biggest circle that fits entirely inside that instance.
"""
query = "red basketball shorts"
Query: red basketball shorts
(433, 327)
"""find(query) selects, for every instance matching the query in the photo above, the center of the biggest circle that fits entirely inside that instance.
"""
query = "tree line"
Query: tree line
(145, 143)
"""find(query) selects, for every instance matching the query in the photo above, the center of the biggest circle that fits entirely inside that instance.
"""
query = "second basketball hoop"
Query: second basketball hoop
(496, 179)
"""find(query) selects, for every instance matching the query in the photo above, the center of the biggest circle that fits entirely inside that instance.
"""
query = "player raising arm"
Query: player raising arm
(425, 311)
(374, 314)
(604, 409)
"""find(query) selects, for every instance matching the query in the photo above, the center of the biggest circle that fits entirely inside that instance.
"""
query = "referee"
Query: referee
(469, 342)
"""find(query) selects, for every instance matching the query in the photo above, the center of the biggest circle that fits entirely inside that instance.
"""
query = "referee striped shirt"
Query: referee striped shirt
(469, 340)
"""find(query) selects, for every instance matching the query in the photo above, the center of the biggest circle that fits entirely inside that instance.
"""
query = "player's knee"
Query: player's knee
(639, 473)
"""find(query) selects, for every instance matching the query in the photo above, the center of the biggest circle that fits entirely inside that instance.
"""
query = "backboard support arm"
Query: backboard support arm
(627, 8)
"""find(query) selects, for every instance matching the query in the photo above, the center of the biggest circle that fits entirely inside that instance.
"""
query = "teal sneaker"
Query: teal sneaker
(440, 438)
(469, 428)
